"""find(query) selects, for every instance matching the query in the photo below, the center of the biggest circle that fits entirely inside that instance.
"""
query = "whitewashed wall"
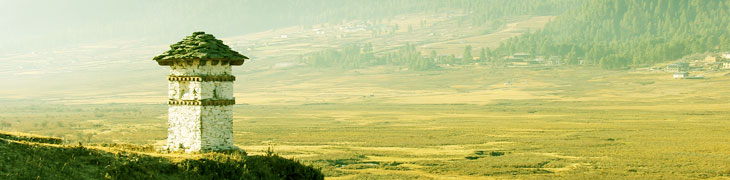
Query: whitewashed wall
(217, 90)
(185, 90)
(200, 128)
(195, 90)
(217, 127)
(184, 128)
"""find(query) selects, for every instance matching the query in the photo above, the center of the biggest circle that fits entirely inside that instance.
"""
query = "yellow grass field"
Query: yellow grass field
(562, 123)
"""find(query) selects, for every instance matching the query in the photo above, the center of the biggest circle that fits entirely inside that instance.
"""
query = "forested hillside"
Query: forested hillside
(630, 33)
(490, 13)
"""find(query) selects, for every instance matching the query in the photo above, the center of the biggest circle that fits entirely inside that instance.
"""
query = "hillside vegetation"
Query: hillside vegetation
(36, 157)
(479, 18)
(624, 33)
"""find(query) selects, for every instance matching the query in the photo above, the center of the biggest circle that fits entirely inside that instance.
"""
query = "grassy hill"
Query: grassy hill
(26, 156)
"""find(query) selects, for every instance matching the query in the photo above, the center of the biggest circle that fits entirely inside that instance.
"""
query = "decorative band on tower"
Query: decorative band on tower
(202, 78)
(207, 102)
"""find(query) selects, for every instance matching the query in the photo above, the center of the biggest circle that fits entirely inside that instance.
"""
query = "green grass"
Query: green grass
(32, 160)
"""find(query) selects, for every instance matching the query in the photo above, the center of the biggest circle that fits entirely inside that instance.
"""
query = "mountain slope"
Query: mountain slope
(623, 33)
(29, 157)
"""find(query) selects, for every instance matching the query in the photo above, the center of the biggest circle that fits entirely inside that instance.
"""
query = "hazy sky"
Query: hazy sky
(36, 24)
(29, 25)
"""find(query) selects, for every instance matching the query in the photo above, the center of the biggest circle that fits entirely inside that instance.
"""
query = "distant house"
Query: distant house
(521, 55)
(726, 64)
(680, 75)
(352, 28)
(318, 31)
(714, 66)
(540, 59)
(726, 55)
(510, 59)
(677, 67)
(533, 61)
(520, 64)
(710, 59)
(553, 60)
(695, 77)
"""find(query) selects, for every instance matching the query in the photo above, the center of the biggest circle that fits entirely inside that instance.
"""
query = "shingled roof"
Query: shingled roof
(199, 46)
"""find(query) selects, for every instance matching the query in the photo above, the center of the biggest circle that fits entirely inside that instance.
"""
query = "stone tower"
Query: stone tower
(200, 98)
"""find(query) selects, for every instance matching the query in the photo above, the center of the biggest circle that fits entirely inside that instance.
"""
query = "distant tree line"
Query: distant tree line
(361, 55)
(618, 34)
(356, 56)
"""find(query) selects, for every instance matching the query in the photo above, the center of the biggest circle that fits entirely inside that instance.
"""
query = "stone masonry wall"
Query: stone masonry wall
(197, 90)
(184, 90)
(217, 90)
(184, 128)
(217, 127)
(200, 127)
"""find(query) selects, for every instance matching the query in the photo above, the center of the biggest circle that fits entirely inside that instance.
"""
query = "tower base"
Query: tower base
(200, 128)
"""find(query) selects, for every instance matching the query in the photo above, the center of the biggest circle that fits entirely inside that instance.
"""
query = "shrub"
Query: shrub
(472, 157)
(496, 153)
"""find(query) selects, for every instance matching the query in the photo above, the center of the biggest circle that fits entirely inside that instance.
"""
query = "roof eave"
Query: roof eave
(232, 62)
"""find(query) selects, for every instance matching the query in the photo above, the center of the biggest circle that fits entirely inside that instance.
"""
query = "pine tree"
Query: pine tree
(467, 59)
(483, 56)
